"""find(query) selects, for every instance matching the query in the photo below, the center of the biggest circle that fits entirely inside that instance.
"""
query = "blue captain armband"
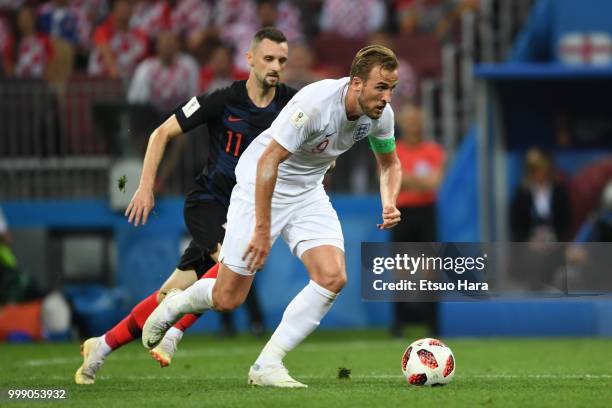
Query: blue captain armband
(381, 145)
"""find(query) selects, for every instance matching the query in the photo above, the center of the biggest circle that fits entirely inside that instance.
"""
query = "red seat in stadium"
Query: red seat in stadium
(423, 52)
(335, 53)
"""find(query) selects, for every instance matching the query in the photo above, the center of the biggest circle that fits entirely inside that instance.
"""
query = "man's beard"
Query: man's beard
(265, 84)
(370, 113)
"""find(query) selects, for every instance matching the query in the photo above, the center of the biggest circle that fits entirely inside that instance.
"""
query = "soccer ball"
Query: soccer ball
(428, 362)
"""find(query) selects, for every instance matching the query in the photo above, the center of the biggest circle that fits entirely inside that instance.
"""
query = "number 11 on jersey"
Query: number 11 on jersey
(230, 137)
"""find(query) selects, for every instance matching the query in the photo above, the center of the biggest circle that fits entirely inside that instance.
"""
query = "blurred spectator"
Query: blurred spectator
(432, 16)
(422, 171)
(540, 209)
(406, 89)
(237, 21)
(283, 15)
(540, 216)
(352, 19)
(220, 70)
(300, 70)
(151, 17)
(89, 13)
(34, 50)
(191, 19)
(166, 79)
(58, 20)
(7, 44)
(118, 48)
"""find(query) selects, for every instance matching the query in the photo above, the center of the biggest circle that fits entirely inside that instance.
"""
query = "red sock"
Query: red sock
(188, 320)
(212, 272)
(130, 328)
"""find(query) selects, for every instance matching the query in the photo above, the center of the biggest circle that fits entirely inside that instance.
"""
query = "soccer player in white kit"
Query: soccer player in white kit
(279, 191)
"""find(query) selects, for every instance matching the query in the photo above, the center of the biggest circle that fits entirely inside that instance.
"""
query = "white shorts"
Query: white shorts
(304, 224)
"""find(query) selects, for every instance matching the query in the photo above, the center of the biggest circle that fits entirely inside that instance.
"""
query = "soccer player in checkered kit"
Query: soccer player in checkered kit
(279, 191)
(235, 116)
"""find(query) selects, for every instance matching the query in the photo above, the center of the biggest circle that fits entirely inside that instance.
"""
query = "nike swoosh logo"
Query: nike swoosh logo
(151, 344)
(234, 119)
(330, 134)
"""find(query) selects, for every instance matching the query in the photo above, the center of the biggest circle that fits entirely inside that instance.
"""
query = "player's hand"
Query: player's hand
(257, 251)
(391, 217)
(141, 205)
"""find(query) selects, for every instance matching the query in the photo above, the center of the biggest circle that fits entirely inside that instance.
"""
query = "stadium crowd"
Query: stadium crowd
(166, 50)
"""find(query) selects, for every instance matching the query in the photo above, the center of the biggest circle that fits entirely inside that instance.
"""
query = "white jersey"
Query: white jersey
(314, 128)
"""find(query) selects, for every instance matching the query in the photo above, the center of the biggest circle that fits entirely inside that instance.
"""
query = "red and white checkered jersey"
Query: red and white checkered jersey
(151, 17)
(190, 16)
(352, 19)
(165, 87)
(88, 12)
(237, 22)
(289, 21)
(129, 48)
(33, 55)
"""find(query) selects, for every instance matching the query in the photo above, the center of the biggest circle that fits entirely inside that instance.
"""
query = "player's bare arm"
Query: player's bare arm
(390, 182)
(267, 171)
(143, 200)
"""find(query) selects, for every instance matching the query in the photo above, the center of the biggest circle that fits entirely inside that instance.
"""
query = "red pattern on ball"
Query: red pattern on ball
(427, 358)
(436, 342)
(417, 379)
(405, 358)
(450, 366)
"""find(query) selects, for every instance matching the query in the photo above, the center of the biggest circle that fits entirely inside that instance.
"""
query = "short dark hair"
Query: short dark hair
(270, 33)
(370, 56)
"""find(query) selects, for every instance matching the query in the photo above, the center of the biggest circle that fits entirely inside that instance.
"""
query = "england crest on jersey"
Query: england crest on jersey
(361, 131)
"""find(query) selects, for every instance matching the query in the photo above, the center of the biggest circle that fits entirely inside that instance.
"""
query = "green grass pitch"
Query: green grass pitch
(211, 372)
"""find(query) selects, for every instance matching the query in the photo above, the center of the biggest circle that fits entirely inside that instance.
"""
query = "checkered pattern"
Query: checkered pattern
(190, 16)
(352, 19)
(129, 48)
(164, 86)
(151, 17)
(33, 55)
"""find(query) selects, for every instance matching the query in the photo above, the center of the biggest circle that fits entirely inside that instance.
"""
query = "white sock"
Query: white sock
(174, 334)
(104, 349)
(197, 298)
(302, 316)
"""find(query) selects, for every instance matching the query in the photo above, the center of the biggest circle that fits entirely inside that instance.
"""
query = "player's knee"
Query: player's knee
(337, 282)
(332, 279)
(225, 304)
(225, 301)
